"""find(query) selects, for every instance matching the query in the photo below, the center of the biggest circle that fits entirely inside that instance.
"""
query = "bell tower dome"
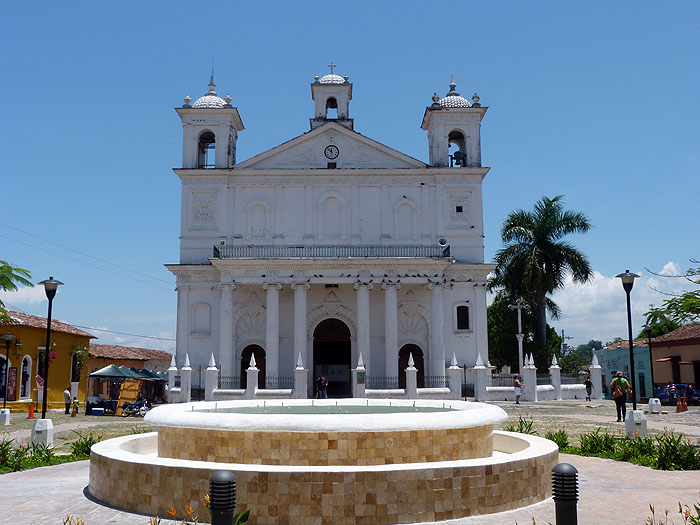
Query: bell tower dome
(454, 122)
(332, 95)
(210, 130)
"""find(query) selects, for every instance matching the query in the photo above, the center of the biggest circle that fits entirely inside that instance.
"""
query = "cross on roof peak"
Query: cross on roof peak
(332, 65)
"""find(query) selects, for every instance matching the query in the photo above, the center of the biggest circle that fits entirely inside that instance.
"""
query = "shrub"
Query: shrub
(524, 426)
(674, 452)
(5, 451)
(559, 437)
(43, 454)
(81, 446)
(596, 442)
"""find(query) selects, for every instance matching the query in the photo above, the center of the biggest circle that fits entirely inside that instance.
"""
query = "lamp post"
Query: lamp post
(647, 329)
(50, 287)
(519, 306)
(8, 342)
(627, 279)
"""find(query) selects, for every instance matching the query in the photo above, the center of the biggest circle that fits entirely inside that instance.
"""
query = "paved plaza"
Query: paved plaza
(611, 492)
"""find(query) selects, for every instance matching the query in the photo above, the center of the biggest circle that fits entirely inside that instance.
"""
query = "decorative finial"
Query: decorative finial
(187, 361)
(554, 361)
(411, 364)
(345, 78)
(172, 363)
(452, 92)
(252, 362)
(479, 360)
(228, 99)
(212, 363)
(211, 83)
(332, 65)
(436, 99)
(300, 363)
(594, 361)
(187, 100)
(475, 100)
(360, 362)
(454, 360)
(316, 78)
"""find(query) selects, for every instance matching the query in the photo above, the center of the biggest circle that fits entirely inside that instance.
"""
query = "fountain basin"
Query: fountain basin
(132, 473)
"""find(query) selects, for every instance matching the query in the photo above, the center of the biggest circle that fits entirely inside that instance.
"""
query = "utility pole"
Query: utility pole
(564, 339)
(519, 306)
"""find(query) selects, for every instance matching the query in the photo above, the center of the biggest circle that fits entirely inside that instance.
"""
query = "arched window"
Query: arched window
(457, 148)
(331, 108)
(207, 150)
(25, 378)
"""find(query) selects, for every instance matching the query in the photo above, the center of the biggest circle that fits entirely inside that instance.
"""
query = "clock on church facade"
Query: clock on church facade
(284, 260)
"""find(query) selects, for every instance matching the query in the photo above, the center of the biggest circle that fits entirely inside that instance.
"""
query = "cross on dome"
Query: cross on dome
(332, 65)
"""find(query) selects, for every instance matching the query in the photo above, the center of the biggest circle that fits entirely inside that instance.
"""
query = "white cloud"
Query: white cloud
(598, 309)
(23, 296)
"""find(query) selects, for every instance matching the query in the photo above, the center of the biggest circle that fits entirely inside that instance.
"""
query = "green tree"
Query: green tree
(535, 260)
(10, 277)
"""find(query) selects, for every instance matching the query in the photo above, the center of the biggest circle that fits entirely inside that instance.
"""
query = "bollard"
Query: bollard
(222, 497)
(565, 492)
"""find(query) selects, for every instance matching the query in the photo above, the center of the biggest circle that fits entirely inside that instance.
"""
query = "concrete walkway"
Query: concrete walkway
(611, 492)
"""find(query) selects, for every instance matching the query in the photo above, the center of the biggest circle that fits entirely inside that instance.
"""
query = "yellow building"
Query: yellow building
(67, 365)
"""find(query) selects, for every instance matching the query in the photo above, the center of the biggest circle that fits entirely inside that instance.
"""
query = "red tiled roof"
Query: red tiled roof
(626, 344)
(689, 331)
(128, 352)
(34, 321)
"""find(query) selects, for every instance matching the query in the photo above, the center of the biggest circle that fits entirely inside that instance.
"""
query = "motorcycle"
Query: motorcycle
(139, 408)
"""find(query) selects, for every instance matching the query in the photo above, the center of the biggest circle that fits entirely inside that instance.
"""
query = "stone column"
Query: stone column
(252, 380)
(454, 377)
(211, 379)
(358, 379)
(183, 322)
(529, 374)
(186, 381)
(391, 330)
(272, 329)
(437, 327)
(226, 329)
(300, 380)
(300, 318)
(555, 377)
(411, 379)
(480, 378)
(596, 378)
(363, 342)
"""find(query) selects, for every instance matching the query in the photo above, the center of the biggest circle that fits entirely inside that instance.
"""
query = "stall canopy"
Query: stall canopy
(122, 372)
(111, 371)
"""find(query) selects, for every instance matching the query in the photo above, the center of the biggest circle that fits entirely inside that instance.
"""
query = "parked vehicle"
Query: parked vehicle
(135, 409)
(681, 389)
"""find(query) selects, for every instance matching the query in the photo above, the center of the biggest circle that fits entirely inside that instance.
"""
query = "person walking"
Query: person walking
(67, 399)
(518, 389)
(620, 389)
(589, 386)
(76, 405)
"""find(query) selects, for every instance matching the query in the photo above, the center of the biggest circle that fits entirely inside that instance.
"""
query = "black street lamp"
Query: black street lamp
(50, 286)
(647, 329)
(8, 342)
(627, 279)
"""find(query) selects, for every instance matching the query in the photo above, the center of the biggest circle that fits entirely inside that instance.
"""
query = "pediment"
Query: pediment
(354, 151)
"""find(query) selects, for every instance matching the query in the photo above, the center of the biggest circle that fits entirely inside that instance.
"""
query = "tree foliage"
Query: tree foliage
(679, 308)
(10, 277)
(535, 261)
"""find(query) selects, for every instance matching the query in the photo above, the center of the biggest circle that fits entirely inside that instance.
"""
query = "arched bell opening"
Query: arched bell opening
(417, 353)
(457, 148)
(206, 157)
(331, 108)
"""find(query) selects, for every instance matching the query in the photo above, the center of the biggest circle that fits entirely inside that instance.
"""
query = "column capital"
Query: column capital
(301, 286)
(182, 287)
(363, 286)
(395, 286)
(227, 286)
(272, 286)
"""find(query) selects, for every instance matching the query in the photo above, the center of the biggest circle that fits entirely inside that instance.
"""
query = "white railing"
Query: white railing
(331, 250)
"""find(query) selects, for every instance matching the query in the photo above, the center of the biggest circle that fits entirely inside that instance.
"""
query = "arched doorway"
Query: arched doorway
(259, 354)
(332, 356)
(25, 378)
(417, 362)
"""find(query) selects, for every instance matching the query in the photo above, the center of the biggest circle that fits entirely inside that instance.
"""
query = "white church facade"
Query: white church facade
(331, 246)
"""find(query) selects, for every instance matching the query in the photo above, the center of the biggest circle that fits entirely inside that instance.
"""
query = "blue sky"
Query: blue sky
(597, 101)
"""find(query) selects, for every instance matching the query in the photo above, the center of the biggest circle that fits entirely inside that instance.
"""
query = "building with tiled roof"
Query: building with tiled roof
(68, 359)
(677, 355)
(105, 355)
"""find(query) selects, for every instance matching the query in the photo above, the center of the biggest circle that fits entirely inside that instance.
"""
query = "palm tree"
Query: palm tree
(9, 277)
(535, 261)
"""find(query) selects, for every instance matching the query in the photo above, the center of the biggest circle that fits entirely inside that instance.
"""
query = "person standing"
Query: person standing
(518, 389)
(589, 386)
(322, 387)
(76, 405)
(620, 389)
(67, 399)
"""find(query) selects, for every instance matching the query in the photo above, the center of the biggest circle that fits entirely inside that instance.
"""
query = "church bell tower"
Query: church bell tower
(454, 130)
(210, 130)
(332, 95)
